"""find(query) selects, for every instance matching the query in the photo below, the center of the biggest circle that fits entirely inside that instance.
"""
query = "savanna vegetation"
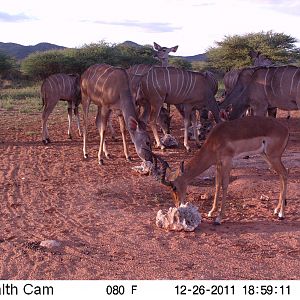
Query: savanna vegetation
(24, 76)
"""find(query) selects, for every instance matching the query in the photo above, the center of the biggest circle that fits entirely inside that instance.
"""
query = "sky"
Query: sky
(193, 25)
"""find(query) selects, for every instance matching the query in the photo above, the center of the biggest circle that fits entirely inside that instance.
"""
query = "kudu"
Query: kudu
(176, 86)
(135, 74)
(231, 77)
(108, 88)
(162, 53)
(226, 141)
(263, 87)
(60, 87)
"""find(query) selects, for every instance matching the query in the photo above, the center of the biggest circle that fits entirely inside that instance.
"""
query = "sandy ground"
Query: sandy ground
(104, 217)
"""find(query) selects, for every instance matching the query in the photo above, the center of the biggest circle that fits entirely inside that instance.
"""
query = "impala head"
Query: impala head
(141, 139)
(162, 53)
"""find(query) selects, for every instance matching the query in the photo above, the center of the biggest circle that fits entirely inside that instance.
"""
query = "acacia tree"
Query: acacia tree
(7, 64)
(233, 51)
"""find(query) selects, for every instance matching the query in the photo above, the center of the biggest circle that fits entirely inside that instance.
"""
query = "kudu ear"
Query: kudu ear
(132, 124)
(156, 46)
(174, 49)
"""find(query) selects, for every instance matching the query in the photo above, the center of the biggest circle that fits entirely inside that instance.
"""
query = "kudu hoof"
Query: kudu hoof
(101, 162)
(215, 223)
(129, 158)
(70, 137)
(85, 156)
(46, 141)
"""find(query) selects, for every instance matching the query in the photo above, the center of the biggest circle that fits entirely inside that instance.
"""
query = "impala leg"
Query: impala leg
(48, 108)
(76, 113)
(218, 188)
(69, 120)
(277, 165)
(123, 133)
(225, 172)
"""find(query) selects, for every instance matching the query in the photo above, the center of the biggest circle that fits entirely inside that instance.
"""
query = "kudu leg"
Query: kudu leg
(98, 125)
(48, 108)
(153, 119)
(104, 115)
(70, 120)
(76, 113)
(85, 110)
(123, 133)
(187, 118)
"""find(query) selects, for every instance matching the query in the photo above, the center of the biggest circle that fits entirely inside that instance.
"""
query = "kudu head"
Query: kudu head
(141, 139)
(162, 53)
(172, 180)
(258, 59)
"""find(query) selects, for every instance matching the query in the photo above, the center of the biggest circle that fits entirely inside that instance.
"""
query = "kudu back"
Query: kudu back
(177, 86)
(264, 87)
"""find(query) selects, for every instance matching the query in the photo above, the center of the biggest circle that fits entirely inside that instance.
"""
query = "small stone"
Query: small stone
(204, 196)
(50, 244)
(264, 197)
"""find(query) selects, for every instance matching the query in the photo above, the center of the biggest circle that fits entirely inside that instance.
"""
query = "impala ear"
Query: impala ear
(132, 124)
(174, 49)
(156, 46)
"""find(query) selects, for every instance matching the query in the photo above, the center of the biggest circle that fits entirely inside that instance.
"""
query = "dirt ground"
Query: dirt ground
(104, 216)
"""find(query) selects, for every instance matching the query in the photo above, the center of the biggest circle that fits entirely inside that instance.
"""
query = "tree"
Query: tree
(180, 63)
(7, 64)
(233, 51)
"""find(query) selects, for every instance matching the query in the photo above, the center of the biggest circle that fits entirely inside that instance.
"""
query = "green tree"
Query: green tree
(233, 51)
(7, 64)
(180, 63)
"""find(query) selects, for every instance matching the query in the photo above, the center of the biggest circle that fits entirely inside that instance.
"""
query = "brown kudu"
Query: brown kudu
(108, 88)
(162, 53)
(176, 86)
(263, 87)
(60, 87)
(135, 74)
(226, 141)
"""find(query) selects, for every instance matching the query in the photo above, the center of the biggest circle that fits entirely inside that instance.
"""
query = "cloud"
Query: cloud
(148, 26)
(5, 17)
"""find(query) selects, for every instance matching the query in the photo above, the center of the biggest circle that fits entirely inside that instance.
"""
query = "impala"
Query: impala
(226, 141)
(108, 88)
(60, 87)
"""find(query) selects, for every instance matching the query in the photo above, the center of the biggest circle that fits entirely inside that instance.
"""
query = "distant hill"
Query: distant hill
(20, 52)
